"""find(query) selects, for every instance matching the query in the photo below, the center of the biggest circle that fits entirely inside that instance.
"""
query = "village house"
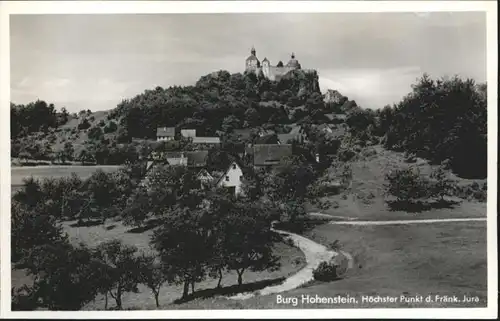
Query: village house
(165, 134)
(232, 179)
(205, 178)
(265, 155)
(186, 133)
(206, 140)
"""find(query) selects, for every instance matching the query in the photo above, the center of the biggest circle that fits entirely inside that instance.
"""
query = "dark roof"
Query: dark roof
(267, 139)
(165, 131)
(197, 158)
(336, 116)
(244, 133)
(270, 154)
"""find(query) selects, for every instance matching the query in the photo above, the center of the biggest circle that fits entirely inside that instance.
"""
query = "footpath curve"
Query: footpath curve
(315, 254)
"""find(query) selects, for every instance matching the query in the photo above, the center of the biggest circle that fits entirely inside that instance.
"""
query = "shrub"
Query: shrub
(407, 185)
(111, 127)
(325, 272)
(84, 124)
(346, 154)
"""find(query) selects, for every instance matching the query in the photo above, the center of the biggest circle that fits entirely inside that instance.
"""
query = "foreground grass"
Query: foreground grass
(412, 260)
(291, 259)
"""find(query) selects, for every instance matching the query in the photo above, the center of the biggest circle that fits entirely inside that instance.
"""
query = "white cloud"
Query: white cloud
(371, 88)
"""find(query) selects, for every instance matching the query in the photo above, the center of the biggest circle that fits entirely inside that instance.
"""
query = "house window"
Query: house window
(241, 178)
(234, 166)
(227, 178)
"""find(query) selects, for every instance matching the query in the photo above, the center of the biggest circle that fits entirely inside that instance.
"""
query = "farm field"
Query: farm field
(40, 172)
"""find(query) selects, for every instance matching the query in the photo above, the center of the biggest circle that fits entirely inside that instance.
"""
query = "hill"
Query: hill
(218, 102)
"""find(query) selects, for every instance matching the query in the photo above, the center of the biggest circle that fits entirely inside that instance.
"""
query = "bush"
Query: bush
(325, 272)
(407, 185)
(84, 124)
(111, 127)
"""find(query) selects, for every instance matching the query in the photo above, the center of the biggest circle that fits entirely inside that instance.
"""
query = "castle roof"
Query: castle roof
(293, 62)
(265, 59)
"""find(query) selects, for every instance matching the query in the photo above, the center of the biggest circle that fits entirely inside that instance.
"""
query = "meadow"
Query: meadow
(41, 172)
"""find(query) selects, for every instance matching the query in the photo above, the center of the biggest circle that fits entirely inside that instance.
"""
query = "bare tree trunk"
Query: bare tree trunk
(185, 293)
(240, 276)
(106, 300)
(157, 294)
(192, 287)
(220, 278)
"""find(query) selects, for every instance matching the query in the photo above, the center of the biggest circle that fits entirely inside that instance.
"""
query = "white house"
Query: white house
(232, 178)
(188, 133)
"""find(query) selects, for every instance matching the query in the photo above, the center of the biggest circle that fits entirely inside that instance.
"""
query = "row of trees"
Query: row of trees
(408, 185)
(35, 116)
(220, 100)
(200, 233)
(442, 120)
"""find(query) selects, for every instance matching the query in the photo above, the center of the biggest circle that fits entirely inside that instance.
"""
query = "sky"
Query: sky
(95, 61)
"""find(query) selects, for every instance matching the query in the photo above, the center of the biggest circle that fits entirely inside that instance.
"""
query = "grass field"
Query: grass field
(40, 172)
(409, 260)
(412, 260)
(292, 260)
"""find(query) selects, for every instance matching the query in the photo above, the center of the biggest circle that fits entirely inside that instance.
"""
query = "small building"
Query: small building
(188, 133)
(165, 134)
(232, 178)
(176, 158)
(270, 154)
(205, 178)
(206, 140)
(197, 159)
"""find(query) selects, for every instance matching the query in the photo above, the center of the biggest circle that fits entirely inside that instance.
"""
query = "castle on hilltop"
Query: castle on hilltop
(252, 64)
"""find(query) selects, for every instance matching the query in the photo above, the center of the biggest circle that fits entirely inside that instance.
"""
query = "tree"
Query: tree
(248, 240)
(406, 185)
(121, 268)
(85, 157)
(66, 153)
(442, 185)
(95, 133)
(280, 64)
(84, 124)
(152, 274)
(60, 269)
(230, 123)
(182, 242)
(32, 226)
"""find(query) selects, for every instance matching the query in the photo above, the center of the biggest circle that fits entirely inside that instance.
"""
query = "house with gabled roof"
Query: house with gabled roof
(270, 154)
(205, 178)
(232, 178)
(197, 159)
(165, 133)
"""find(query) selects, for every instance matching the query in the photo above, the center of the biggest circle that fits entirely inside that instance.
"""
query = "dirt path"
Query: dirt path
(315, 254)
(404, 222)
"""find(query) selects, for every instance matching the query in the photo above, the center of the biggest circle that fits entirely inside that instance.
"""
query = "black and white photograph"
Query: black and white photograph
(289, 159)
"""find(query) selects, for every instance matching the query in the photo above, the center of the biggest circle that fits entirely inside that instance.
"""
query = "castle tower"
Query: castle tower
(293, 63)
(252, 63)
(266, 64)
